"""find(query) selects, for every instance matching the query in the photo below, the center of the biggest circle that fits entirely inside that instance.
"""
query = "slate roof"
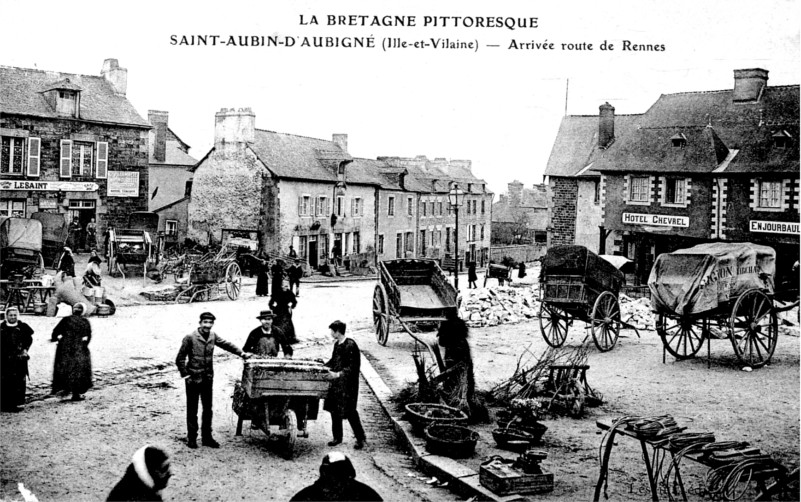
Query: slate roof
(21, 94)
(174, 156)
(576, 144)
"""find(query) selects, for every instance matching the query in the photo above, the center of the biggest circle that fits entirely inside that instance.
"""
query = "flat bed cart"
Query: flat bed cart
(575, 283)
(286, 393)
(719, 290)
(410, 291)
(212, 276)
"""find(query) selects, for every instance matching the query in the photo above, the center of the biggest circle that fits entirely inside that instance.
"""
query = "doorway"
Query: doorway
(313, 251)
(85, 211)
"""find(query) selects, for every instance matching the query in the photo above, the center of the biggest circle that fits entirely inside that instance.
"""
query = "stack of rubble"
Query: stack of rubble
(637, 312)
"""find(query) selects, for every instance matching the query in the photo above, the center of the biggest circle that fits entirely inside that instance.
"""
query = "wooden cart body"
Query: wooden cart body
(210, 276)
(500, 272)
(575, 283)
(54, 235)
(410, 291)
(718, 290)
(288, 391)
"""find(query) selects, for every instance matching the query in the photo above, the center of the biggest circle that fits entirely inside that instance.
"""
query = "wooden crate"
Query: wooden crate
(285, 377)
(500, 477)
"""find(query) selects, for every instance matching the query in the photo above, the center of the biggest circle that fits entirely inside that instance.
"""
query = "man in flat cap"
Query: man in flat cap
(194, 362)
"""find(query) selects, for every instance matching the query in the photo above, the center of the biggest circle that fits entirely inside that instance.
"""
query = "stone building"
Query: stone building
(72, 144)
(707, 166)
(521, 215)
(574, 204)
(170, 174)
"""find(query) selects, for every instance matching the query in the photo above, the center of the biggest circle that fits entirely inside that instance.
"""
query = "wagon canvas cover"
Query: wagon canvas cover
(20, 233)
(700, 278)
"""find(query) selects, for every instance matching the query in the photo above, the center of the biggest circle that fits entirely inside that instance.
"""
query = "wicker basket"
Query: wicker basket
(421, 415)
(452, 441)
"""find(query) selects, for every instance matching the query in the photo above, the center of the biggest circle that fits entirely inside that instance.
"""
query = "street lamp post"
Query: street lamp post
(455, 198)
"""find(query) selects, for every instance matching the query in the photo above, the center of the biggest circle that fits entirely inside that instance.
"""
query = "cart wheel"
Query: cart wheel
(605, 321)
(682, 337)
(753, 328)
(553, 324)
(291, 431)
(233, 281)
(381, 319)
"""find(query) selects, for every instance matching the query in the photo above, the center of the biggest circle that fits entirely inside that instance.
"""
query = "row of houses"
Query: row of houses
(695, 167)
(73, 144)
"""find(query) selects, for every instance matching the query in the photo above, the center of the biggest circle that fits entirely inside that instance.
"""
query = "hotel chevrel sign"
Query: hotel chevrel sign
(659, 220)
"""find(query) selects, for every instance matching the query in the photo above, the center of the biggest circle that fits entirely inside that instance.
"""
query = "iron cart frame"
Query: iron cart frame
(748, 319)
(288, 393)
(410, 291)
(575, 283)
(210, 276)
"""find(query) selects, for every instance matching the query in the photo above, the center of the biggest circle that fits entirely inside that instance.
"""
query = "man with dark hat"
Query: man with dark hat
(337, 481)
(194, 362)
(266, 339)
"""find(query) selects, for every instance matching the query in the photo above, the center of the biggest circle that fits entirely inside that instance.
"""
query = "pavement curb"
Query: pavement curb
(461, 479)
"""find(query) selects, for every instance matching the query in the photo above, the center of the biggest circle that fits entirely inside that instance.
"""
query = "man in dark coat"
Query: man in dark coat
(74, 234)
(337, 481)
(265, 340)
(262, 263)
(146, 475)
(344, 391)
(16, 338)
(194, 362)
(67, 263)
(472, 277)
(72, 372)
(277, 273)
(295, 273)
(282, 302)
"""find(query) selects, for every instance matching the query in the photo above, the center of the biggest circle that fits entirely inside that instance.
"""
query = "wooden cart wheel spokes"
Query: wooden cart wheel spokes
(381, 320)
(753, 328)
(605, 321)
(233, 280)
(682, 336)
(291, 430)
(554, 323)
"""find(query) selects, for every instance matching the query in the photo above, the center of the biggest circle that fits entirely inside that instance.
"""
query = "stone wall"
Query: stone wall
(564, 194)
(526, 253)
(588, 215)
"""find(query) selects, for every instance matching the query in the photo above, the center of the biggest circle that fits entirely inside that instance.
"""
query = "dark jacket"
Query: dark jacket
(350, 490)
(295, 272)
(14, 344)
(344, 391)
(73, 365)
(267, 344)
(67, 265)
(131, 488)
(199, 352)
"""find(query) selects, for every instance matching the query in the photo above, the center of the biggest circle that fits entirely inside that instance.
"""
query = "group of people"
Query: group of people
(79, 237)
(271, 275)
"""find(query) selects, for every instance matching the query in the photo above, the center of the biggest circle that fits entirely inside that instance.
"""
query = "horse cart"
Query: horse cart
(575, 283)
(719, 290)
(500, 272)
(20, 247)
(410, 291)
(211, 276)
(54, 236)
(281, 392)
(138, 245)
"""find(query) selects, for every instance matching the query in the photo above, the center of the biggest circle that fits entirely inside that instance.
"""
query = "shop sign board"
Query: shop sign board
(775, 227)
(123, 184)
(660, 220)
(49, 186)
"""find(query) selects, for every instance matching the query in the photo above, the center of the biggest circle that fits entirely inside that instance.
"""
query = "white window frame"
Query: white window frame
(171, 225)
(305, 205)
(780, 190)
(34, 157)
(7, 206)
(12, 140)
(685, 191)
(630, 178)
(322, 205)
(83, 145)
(356, 207)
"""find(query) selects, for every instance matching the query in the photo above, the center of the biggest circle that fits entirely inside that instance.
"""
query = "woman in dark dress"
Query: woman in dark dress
(72, 372)
(262, 274)
(16, 338)
(458, 382)
(471, 275)
(67, 263)
(277, 272)
(282, 302)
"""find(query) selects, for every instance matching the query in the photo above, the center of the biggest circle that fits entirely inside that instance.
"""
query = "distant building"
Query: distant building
(521, 215)
(72, 144)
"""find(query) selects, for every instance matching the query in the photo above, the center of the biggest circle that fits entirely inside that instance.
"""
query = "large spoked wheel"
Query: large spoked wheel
(290, 427)
(682, 336)
(381, 320)
(753, 328)
(605, 321)
(554, 323)
(233, 280)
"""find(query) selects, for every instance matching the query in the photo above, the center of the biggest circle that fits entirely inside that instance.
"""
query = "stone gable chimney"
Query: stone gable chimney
(118, 77)
(233, 127)
(749, 84)
(158, 120)
(341, 140)
(606, 125)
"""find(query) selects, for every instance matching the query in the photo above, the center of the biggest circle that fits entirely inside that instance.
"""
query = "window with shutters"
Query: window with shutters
(357, 242)
(34, 156)
(356, 210)
(380, 243)
(82, 154)
(322, 206)
(11, 155)
(65, 158)
(302, 246)
(102, 161)
(399, 245)
(675, 191)
(409, 206)
(171, 228)
(304, 205)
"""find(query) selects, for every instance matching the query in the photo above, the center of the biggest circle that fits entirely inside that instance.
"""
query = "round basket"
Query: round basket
(452, 441)
(518, 438)
(421, 415)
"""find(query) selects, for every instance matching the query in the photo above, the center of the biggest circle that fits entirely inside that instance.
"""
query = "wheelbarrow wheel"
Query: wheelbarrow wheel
(291, 430)
(682, 336)
(605, 321)
(753, 328)
(381, 320)
(554, 323)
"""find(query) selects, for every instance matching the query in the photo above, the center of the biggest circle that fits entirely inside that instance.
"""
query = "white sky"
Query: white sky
(499, 108)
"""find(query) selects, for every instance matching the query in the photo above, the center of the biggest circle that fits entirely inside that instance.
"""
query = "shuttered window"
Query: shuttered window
(66, 158)
(34, 148)
(102, 160)
(11, 155)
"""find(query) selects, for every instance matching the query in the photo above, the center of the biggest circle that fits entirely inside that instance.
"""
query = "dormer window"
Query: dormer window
(64, 97)
(679, 140)
(781, 140)
(66, 103)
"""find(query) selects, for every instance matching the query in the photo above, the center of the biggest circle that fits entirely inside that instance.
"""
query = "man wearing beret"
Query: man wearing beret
(194, 362)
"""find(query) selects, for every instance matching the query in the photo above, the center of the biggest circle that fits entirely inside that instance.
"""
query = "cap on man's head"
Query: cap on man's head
(207, 315)
(265, 314)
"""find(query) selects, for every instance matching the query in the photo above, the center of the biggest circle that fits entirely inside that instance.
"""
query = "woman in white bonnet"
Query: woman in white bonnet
(146, 475)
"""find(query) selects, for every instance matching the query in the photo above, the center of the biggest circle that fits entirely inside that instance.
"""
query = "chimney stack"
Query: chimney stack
(158, 120)
(341, 140)
(606, 125)
(515, 189)
(232, 127)
(749, 84)
(118, 77)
